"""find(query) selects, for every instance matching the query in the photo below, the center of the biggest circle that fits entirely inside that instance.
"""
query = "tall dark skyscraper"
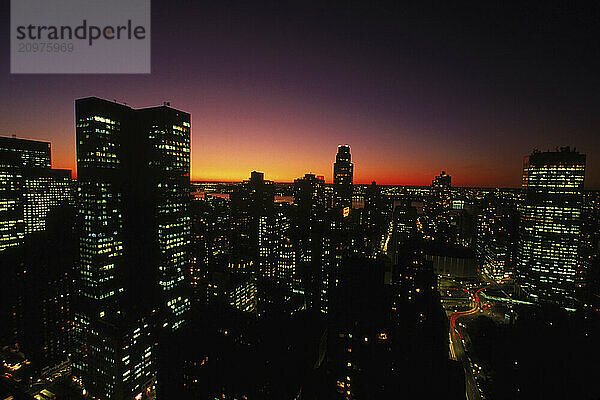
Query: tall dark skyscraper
(320, 241)
(549, 267)
(374, 205)
(134, 235)
(343, 173)
(310, 226)
(309, 197)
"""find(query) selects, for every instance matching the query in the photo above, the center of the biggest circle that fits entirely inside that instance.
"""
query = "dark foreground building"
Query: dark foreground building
(134, 234)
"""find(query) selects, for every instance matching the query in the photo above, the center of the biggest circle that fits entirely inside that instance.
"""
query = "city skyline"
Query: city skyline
(411, 96)
(136, 267)
(328, 179)
(299, 200)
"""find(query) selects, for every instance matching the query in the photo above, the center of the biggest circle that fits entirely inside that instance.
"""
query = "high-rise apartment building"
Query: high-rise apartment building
(549, 267)
(134, 235)
(343, 172)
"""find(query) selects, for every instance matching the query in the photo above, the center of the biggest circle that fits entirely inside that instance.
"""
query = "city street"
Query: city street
(455, 296)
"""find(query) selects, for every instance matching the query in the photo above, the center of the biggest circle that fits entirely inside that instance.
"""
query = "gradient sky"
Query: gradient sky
(468, 88)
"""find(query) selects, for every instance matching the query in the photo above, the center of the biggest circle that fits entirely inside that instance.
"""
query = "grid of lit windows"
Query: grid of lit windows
(170, 141)
(134, 233)
(548, 254)
(29, 188)
(275, 250)
(243, 295)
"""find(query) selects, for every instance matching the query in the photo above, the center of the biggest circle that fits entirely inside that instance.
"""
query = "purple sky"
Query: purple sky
(414, 90)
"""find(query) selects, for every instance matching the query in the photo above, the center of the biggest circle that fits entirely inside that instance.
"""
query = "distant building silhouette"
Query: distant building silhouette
(441, 191)
(343, 173)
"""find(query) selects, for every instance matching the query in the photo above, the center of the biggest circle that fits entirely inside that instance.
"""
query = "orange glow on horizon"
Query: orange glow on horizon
(239, 176)
(285, 167)
(284, 152)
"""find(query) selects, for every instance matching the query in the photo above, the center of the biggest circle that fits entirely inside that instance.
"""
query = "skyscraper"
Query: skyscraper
(321, 241)
(343, 172)
(548, 266)
(134, 237)
(309, 200)
(29, 188)
(275, 252)
(496, 228)
(252, 199)
(440, 191)
(375, 217)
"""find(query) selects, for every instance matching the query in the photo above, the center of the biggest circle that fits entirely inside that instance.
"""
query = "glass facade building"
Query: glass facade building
(549, 267)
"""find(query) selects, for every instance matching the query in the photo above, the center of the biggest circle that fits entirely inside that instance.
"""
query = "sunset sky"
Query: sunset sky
(468, 89)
